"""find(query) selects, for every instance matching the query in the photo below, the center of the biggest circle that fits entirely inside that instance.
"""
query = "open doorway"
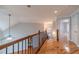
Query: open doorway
(65, 28)
(49, 27)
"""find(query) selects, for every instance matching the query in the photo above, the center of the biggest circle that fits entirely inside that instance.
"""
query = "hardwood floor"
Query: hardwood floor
(54, 47)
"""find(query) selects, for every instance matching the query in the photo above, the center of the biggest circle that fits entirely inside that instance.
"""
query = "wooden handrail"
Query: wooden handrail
(30, 43)
(16, 41)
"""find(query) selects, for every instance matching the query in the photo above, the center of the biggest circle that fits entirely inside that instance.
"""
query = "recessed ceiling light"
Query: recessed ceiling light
(55, 11)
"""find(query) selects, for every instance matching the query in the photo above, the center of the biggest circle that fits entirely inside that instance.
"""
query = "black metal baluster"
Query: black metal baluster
(25, 46)
(6, 50)
(39, 38)
(18, 47)
(31, 44)
(13, 48)
(28, 45)
(22, 47)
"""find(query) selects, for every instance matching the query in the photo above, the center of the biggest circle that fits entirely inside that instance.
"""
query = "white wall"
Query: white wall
(23, 29)
(75, 28)
(1, 35)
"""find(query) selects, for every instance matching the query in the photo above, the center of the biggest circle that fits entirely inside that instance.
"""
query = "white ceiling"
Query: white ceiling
(37, 13)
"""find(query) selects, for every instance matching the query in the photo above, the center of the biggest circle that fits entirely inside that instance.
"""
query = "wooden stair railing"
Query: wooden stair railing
(28, 39)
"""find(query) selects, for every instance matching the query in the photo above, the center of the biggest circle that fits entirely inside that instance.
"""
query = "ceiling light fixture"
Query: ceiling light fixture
(55, 11)
(9, 36)
(28, 6)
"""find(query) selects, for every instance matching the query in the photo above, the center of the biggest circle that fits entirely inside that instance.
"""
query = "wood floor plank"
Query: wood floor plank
(54, 47)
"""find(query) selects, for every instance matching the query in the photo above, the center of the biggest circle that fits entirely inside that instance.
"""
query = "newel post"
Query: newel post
(58, 45)
(57, 35)
(46, 35)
